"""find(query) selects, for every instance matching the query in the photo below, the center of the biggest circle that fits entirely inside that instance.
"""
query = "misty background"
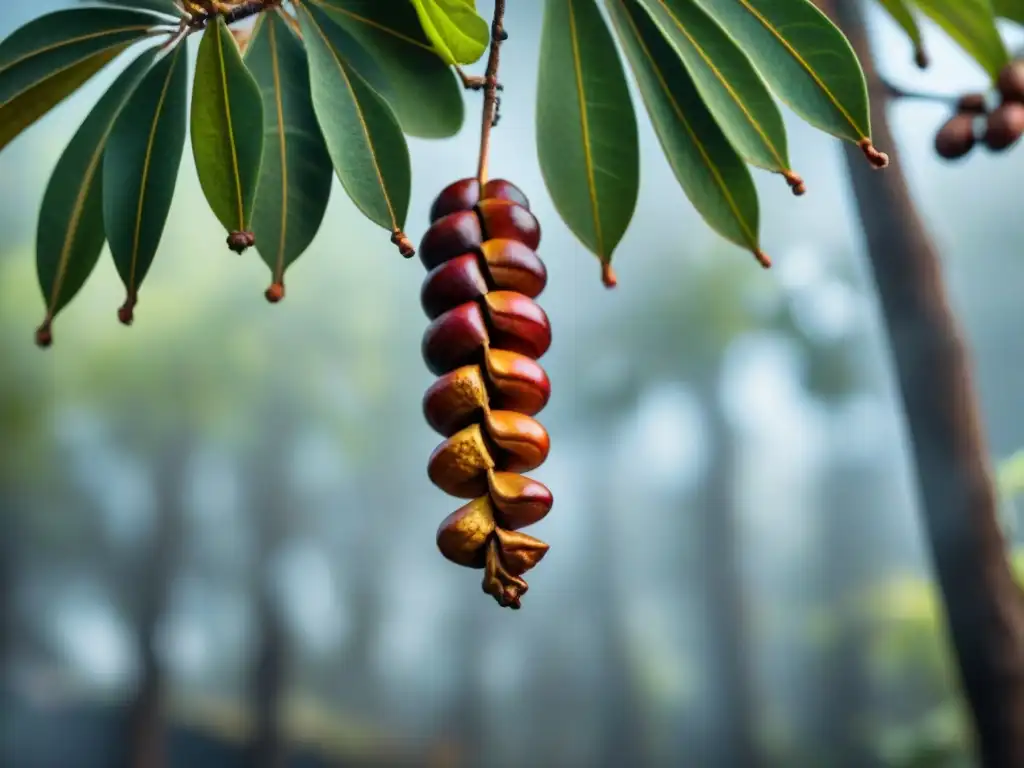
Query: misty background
(225, 508)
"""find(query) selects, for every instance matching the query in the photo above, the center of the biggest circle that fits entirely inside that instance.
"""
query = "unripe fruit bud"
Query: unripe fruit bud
(1005, 126)
(1011, 82)
(955, 138)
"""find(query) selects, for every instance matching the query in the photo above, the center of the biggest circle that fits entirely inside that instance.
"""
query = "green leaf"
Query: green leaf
(70, 233)
(140, 168)
(586, 128)
(226, 128)
(1009, 9)
(459, 34)
(900, 12)
(295, 177)
(972, 25)
(710, 171)
(49, 58)
(363, 136)
(727, 81)
(805, 59)
(168, 7)
(421, 89)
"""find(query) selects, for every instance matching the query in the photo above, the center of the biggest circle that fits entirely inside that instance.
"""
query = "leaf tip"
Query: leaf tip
(763, 258)
(878, 159)
(240, 241)
(796, 182)
(44, 335)
(608, 276)
(126, 312)
(275, 292)
(405, 246)
(921, 58)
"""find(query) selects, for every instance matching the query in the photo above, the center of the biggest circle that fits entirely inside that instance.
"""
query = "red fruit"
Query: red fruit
(513, 266)
(955, 138)
(455, 339)
(506, 219)
(972, 103)
(463, 194)
(1005, 126)
(1011, 82)
(451, 236)
(454, 282)
(518, 500)
(518, 381)
(517, 324)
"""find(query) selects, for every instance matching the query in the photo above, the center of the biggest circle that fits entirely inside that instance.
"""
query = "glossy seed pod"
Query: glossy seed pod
(485, 336)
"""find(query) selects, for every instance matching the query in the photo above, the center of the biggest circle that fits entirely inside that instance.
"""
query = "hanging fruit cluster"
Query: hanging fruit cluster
(485, 337)
(998, 129)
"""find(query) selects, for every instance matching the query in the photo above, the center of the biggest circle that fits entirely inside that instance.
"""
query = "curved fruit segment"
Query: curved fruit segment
(454, 401)
(462, 536)
(459, 465)
(455, 338)
(463, 194)
(522, 441)
(452, 283)
(518, 323)
(518, 500)
(519, 551)
(504, 219)
(451, 236)
(513, 266)
(518, 381)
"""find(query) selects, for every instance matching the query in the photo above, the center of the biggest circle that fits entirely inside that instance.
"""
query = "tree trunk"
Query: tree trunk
(734, 721)
(985, 608)
(155, 570)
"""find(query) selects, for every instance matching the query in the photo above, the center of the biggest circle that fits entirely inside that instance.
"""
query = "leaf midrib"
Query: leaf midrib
(725, 84)
(279, 102)
(219, 38)
(376, 25)
(711, 166)
(772, 29)
(73, 40)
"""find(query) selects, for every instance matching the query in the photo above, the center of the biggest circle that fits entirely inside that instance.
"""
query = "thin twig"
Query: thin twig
(469, 82)
(894, 91)
(489, 112)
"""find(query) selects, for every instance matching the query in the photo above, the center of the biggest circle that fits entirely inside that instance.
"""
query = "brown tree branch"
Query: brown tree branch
(490, 111)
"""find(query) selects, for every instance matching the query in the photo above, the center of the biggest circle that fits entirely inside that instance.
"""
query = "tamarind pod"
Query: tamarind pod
(501, 219)
(462, 536)
(499, 265)
(450, 236)
(518, 500)
(522, 440)
(455, 338)
(463, 194)
(459, 465)
(517, 323)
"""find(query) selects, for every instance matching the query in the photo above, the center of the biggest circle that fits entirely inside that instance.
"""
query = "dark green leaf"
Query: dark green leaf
(972, 25)
(586, 128)
(421, 89)
(900, 12)
(70, 235)
(711, 172)
(1009, 9)
(295, 177)
(140, 167)
(459, 34)
(727, 81)
(49, 58)
(363, 136)
(226, 127)
(168, 7)
(804, 58)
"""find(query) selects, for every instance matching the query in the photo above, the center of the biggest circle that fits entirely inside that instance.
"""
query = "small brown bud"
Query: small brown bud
(274, 293)
(505, 587)
(763, 259)
(44, 336)
(972, 103)
(1005, 126)
(1011, 82)
(796, 182)
(405, 246)
(608, 276)
(877, 159)
(921, 58)
(126, 312)
(240, 241)
(956, 138)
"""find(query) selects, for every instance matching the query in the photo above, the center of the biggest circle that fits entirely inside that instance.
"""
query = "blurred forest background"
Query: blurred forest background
(218, 533)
